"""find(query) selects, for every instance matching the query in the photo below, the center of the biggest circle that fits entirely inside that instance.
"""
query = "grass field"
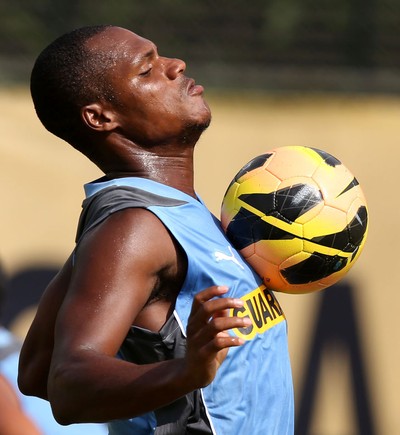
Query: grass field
(41, 180)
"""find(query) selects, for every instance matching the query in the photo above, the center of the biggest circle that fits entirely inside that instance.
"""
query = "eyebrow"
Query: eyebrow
(147, 55)
(151, 52)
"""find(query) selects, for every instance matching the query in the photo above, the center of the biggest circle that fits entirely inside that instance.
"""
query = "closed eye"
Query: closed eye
(146, 72)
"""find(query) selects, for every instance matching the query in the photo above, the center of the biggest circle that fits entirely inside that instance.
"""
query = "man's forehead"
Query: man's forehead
(122, 40)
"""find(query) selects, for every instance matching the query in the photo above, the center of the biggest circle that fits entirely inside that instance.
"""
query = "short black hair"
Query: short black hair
(66, 76)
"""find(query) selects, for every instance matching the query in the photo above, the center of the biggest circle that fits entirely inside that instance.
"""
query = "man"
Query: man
(152, 333)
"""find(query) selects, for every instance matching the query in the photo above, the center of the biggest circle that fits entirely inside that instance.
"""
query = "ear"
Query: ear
(98, 118)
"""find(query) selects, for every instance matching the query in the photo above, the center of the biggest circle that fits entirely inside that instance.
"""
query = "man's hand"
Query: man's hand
(208, 341)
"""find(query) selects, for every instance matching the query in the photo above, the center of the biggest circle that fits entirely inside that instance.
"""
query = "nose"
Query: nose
(174, 67)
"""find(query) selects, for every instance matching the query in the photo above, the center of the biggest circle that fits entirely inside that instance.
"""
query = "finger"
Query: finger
(215, 294)
(220, 307)
(221, 313)
(209, 293)
(222, 341)
(225, 323)
(217, 326)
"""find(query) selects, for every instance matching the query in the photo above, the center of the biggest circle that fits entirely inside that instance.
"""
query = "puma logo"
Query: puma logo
(221, 256)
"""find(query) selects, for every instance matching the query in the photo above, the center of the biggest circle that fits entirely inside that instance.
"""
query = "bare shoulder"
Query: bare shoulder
(134, 231)
(129, 263)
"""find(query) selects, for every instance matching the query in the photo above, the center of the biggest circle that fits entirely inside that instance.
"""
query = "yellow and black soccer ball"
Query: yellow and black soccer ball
(298, 216)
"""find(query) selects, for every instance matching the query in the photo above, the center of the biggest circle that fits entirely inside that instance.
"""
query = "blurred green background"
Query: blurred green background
(341, 45)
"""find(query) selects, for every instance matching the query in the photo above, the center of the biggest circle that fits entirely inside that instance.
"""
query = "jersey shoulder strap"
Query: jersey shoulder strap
(98, 207)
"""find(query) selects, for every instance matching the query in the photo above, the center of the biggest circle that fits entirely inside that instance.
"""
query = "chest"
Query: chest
(161, 302)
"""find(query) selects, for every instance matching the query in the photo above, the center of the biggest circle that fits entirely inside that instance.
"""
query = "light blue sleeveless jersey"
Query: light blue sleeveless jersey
(252, 393)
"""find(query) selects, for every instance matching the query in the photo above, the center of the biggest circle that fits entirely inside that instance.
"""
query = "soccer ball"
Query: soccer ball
(298, 216)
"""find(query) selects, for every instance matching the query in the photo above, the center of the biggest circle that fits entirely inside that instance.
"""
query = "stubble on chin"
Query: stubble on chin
(194, 130)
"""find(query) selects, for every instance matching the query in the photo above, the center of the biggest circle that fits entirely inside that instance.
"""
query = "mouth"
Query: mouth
(193, 89)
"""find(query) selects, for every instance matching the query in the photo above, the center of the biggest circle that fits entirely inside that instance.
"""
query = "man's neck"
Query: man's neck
(173, 171)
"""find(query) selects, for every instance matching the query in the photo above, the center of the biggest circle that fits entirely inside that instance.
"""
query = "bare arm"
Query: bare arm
(37, 349)
(118, 265)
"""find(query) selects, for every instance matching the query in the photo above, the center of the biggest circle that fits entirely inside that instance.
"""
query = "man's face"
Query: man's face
(157, 103)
